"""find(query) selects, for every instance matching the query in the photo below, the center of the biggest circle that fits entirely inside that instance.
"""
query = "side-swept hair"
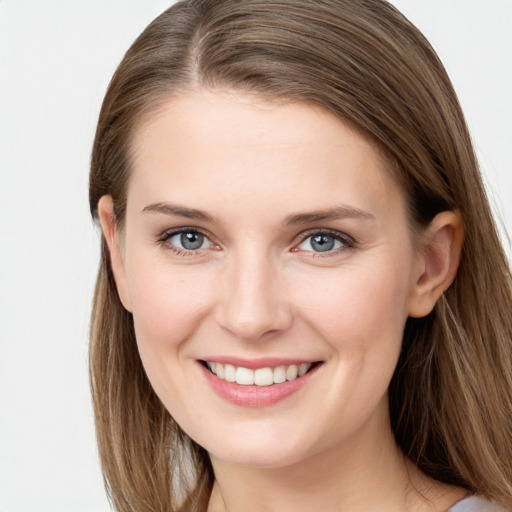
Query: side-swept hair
(451, 394)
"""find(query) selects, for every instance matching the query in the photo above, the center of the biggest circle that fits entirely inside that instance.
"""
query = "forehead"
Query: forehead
(246, 118)
(214, 146)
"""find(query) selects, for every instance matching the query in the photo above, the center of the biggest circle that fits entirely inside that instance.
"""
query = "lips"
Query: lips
(257, 383)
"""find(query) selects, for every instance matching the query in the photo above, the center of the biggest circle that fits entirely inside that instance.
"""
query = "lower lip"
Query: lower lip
(255, 396)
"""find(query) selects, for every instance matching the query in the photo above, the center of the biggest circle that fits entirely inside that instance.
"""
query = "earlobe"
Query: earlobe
(111, 234)
(439, 256)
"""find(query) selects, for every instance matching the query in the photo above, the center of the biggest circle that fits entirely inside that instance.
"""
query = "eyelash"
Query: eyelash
(167, 235)
(347, 241)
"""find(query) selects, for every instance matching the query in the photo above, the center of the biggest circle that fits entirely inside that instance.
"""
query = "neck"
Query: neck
(365, 473)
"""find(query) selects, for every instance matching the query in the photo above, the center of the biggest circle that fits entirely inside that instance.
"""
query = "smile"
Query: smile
(257, 383)
(261, 376)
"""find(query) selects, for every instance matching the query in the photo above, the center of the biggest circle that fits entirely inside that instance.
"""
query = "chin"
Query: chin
(260, 459)
(263, 452)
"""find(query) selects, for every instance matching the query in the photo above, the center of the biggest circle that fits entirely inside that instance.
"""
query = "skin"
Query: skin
(257, 288)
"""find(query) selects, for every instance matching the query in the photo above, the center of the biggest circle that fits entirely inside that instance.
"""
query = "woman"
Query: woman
(302, 300)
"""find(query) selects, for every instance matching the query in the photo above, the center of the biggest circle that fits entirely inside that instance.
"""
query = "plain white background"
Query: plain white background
(56, 58)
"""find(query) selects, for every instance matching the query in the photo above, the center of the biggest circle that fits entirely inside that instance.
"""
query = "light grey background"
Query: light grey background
(56, 58)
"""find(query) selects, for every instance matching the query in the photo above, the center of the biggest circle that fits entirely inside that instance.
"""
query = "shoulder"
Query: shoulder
(475, 504)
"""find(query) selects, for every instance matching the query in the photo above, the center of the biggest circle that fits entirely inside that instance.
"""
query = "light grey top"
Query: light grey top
(474, 504)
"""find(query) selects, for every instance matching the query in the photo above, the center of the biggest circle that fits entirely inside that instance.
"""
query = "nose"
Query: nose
(253, 305)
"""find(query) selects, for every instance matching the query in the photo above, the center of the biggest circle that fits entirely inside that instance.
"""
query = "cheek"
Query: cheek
(168, 305)
(360, 307)
(361, 313)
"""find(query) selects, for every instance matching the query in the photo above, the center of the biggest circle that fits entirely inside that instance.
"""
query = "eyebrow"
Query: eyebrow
(338, 212)
(179, 211)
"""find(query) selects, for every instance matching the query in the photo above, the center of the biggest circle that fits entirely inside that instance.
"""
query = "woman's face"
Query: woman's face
(265, 240)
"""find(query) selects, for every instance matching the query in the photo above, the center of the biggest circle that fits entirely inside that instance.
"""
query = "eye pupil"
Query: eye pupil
(322, 243)
(191, 240)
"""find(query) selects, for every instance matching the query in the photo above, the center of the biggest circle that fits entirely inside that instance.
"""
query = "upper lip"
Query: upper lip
(259, 362)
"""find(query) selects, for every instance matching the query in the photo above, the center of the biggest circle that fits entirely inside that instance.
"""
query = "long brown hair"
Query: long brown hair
(361, 60)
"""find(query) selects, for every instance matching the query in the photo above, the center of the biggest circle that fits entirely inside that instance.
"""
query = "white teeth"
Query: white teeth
(279, 374)
(263, 377)
(260, 377)
(244, 376)
(303, 368)
(230, 373)
(292, 372)
(220, 370)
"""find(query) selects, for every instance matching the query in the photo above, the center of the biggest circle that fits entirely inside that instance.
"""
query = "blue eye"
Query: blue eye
(324, 242)
(188, 240)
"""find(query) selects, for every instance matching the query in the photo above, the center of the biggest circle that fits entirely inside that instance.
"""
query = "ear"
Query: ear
(439, 257)
(112, 237)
